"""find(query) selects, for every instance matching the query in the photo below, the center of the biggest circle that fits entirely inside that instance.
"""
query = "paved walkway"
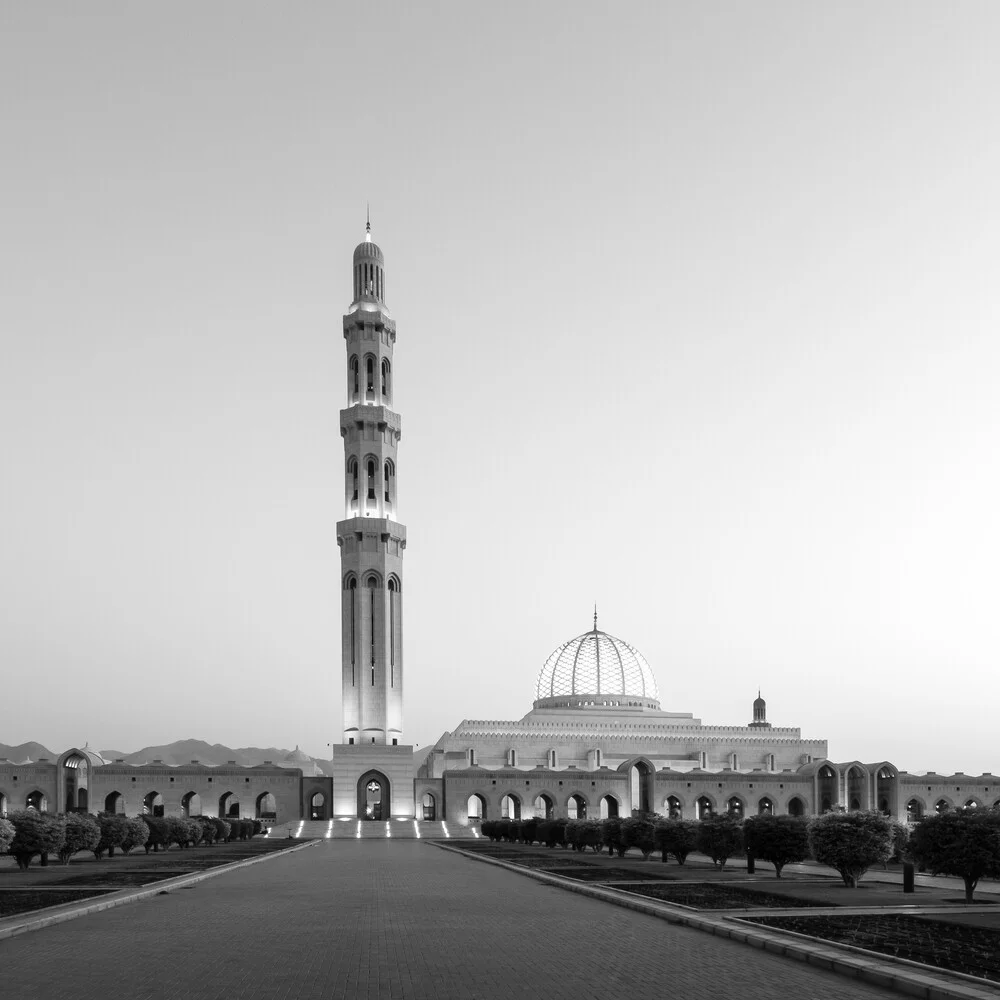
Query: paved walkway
(396, 920)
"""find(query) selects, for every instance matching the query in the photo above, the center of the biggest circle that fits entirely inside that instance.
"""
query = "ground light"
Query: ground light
(416, 829)
(388, 832)
(329, 830)
(358, 834)
(298, 832)
(445, 828)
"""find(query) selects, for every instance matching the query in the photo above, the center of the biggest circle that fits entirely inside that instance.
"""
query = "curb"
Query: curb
(126, 896)
(879, 970)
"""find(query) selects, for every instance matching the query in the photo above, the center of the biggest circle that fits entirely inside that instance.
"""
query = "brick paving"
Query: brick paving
(395, 920)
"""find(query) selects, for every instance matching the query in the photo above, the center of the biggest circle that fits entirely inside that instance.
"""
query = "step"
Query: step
(352, 829)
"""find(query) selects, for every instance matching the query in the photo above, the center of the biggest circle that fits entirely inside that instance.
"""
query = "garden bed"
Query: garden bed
(14, 901)
(121, 879)
(712, 896)
(974, 951)
(601, 873)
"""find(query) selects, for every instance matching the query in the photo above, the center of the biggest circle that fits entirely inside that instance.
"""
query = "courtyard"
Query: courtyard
(373, 918)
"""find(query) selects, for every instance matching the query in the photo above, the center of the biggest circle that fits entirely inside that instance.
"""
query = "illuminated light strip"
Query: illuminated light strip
(358, 834)
(475, 833)
(329, 830)
(416, 829)
(444, 827)
(298, 832)
(388, 832)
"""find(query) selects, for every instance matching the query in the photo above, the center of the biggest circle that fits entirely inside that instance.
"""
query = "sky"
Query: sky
(697, 318)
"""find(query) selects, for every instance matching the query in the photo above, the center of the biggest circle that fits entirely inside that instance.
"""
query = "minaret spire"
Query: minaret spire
(368, 222)
(595, 616)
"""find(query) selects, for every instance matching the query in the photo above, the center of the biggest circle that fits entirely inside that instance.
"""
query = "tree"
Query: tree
(850, 842)
(83, 833)
(638, 833)
(964, 843)
(136, 834)
(114, 829)
(6, 834)
(778, 840)
(612, 835)
(678, 837)
(720, 837)
(35, 833)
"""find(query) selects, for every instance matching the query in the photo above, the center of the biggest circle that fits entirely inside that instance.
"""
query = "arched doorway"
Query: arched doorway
(914, 810)
(477, 809)
(672, 807)
(317, 806)
(576, 807)
(942, 806)
(734, 807)
(266, 806)
(229, 806)
(857, 788)
(191, 804)
(609, 807)
(544, 806)
(510, 807)
(796, 807)
(704, 807)
(75, 782)
(429, 807)
(3, 804)
(36, 800)
(827, 781)
(373, 796)
(641, 777)
(765, 807)
(152, 804)
(82, 800)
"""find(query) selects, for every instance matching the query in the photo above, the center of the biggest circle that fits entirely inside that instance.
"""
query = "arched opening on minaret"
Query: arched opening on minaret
(389, 481)
(355, 387)
(386, 380)
(370, 469)
(352, 486)
(370, 379)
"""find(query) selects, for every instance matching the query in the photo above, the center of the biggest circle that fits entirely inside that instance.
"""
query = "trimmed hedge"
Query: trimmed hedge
(720, 837)
(114, 829)
(676, 837)
(82, 833)
(136, 834)
(639, 833)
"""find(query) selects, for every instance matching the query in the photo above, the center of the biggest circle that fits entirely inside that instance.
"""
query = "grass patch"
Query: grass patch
(14, 901)
(711, 896)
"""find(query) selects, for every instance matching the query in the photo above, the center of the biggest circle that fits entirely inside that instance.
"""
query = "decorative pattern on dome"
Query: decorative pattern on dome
(596, 663)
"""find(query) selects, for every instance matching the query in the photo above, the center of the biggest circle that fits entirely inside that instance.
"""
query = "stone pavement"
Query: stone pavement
(401, 920)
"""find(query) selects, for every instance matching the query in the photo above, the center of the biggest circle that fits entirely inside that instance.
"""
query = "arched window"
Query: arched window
(388, 484)
(704, 807)
(385, 378)
(355, 378)
(369, 377)
(770, 761)
(942, 806)
(734, 762)
(673, 807)
(765, 807)
(352, 472)
(795, 807)
(371, 478)
(734, 807)
(971, 804)
(553, 759)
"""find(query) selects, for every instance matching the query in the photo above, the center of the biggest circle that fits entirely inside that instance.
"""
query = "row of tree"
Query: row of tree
(964, 843)
(29, 834)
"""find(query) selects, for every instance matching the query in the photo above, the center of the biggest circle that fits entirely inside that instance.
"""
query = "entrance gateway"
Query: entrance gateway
(373, 796)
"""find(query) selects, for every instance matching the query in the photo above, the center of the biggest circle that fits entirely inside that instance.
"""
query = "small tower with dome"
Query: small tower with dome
(759, 713)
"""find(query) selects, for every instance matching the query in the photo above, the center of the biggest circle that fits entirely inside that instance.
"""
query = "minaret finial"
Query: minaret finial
(368, 222)
(595, 616)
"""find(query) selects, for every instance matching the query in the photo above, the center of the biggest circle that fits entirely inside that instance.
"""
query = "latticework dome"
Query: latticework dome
(599, 670)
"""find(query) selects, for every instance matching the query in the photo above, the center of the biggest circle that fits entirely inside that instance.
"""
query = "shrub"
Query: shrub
(83, 833)
(529, 831)
(6, 834)
(258, 827)
(35, 833)
(136, 834)
(574, 828)
(159, 833)
(113, 827)
(208, 831)
(850, 842)
(900, 840)
(552, 832)
(964, 843)
(221, 828)
(678, 837)
(639, 832)
(778, 840)
(505, 829)
(592, 835)
(720, 837)
(612, 836)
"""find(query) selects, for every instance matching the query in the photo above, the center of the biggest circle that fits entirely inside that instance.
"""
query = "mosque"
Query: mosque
(596, 742)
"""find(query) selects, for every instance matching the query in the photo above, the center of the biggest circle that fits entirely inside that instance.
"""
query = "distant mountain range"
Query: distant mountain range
(176, 754)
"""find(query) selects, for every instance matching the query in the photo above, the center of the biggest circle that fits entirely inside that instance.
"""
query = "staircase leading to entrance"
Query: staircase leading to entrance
(354, 829)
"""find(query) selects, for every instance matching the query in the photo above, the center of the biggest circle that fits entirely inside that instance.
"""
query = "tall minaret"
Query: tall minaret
(371, 540)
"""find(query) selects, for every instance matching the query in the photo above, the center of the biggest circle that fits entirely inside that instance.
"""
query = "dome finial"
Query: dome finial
(595, 616)
(368, 222)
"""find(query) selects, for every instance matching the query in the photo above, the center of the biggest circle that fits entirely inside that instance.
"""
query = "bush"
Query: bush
(900, 840)
(720, 837)
(35, 833)
(612, 836)
(221, 828)
(552, 832)
(159, 833)
(850, 842)
(113, 827)
(964, 843)
(208, 831)
(6, 834)
(678, 837)
(83, 833)
(778, 840)
(529, 831)
(592, 835)
(639, 833)
(136, 834)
